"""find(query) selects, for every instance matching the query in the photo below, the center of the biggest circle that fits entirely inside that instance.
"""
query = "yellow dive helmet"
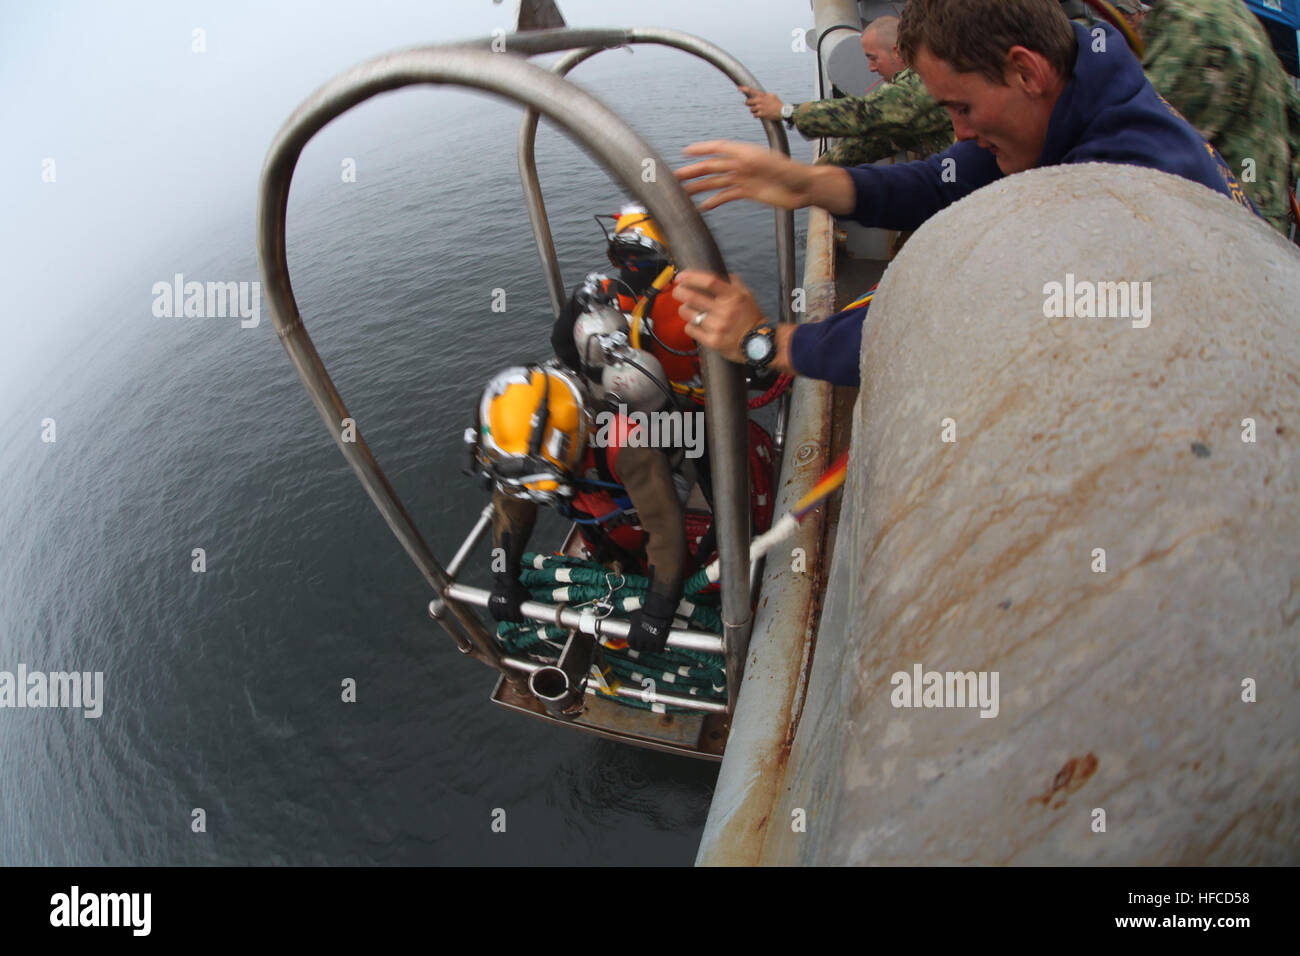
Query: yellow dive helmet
(533, 426)
(636, 244)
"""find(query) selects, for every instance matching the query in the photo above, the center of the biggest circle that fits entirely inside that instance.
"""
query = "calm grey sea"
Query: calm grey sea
(222, 688)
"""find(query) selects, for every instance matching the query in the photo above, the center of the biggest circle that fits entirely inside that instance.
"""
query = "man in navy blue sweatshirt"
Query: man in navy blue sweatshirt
(1025, 88)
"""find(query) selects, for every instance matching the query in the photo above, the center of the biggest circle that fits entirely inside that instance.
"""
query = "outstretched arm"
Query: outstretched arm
(904, 195)
(901, 196)
(746, 171)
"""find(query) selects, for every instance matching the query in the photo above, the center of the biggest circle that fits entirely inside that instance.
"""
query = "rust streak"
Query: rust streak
(1069, 778)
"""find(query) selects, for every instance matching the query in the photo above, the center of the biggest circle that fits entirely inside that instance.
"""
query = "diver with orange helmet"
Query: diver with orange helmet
(537, 442)
(642, 290)
(625, 336)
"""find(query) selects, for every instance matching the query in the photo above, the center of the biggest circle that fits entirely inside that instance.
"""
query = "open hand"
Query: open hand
(745, 171)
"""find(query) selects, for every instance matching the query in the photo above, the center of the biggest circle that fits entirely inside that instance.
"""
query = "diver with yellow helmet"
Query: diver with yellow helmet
(535, 440)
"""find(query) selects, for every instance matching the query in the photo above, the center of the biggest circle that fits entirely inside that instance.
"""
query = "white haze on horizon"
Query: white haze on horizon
(154, 143)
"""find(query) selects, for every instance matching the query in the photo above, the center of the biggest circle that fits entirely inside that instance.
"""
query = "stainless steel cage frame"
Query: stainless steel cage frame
(603, 135)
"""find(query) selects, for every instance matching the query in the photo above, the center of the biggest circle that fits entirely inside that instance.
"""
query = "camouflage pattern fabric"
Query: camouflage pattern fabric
(1212, 60)
(893, 118)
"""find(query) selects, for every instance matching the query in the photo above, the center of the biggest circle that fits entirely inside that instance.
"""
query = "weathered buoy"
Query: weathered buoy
(1063, 619)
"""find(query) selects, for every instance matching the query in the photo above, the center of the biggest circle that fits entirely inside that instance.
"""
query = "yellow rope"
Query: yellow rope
(643, 303)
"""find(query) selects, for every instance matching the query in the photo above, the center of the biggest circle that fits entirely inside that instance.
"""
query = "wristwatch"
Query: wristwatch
(759, 347)
(787, 113)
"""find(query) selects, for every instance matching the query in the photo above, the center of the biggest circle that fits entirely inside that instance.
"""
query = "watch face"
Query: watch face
(757, 347)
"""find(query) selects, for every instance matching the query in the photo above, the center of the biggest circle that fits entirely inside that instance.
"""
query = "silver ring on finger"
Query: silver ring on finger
(699, 319)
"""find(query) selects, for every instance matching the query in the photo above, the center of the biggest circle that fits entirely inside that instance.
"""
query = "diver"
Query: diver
(626, 364)
(537, 440)
(642, 291)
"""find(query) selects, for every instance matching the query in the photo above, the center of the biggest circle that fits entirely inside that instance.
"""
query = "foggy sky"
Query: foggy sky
(154, 143)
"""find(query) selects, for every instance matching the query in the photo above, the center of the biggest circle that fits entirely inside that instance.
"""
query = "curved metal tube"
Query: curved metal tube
(776, 138)
(725, 62)
(598, 130)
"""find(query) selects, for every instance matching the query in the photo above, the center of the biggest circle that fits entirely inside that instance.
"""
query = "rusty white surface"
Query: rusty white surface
(1120, 692)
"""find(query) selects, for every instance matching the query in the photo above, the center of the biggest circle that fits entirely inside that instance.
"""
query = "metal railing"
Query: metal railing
(620, 151)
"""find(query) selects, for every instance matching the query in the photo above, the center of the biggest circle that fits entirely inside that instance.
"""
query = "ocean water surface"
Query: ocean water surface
(222, 688)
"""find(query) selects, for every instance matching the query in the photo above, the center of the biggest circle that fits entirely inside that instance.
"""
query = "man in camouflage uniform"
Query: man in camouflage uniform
(1212, 60)
(897, 116)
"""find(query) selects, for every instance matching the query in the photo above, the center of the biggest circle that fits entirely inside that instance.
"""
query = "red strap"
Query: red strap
(618, 436)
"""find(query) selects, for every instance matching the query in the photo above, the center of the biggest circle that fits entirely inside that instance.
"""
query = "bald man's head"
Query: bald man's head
(880, 44)
(885, 29)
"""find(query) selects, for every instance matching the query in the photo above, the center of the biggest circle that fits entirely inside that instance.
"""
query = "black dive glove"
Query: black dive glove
(507, 595)
(651, 623)
(562, 336)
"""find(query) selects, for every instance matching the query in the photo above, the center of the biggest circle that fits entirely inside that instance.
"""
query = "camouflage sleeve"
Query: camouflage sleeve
(847, 152)
(1214, 64)
(846, 116)
(854, 151)
(892, 118)
(1199, 79)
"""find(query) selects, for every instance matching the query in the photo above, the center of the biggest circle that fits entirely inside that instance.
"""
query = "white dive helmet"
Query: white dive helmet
(640, 389)
(598, 327)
